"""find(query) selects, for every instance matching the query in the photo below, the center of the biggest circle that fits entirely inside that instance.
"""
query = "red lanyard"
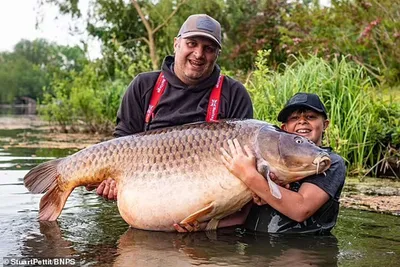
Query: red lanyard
(213, 103)
(159, 88)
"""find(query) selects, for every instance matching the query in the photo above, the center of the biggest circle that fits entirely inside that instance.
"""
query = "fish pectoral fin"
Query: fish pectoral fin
(263, 168)
(198, 214)
(212, 224)
(273, 187)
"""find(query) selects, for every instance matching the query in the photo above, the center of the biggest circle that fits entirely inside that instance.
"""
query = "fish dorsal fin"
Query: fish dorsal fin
(263, 168)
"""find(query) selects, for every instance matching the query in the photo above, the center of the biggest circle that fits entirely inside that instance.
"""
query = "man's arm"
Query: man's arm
(239, 105)
(130, 116)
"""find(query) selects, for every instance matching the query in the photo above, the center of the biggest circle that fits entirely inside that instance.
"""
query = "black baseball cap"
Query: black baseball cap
(302, 101)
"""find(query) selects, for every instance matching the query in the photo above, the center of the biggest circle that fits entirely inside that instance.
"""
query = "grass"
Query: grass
(360, 118)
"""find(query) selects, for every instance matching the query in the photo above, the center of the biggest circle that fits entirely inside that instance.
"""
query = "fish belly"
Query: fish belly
(176, 174)
(155, 201)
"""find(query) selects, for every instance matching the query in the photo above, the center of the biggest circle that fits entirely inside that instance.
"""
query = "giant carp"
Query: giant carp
(176, 175)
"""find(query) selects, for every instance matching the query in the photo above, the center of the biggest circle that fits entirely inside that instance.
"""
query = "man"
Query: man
(308, 206)
(191, 76)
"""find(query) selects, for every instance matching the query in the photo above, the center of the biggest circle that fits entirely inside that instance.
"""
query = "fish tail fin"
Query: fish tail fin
(41, 179)
(52, 203)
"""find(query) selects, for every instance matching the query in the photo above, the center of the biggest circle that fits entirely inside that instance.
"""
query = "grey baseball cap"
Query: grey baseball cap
(302, 100)
(201, 25)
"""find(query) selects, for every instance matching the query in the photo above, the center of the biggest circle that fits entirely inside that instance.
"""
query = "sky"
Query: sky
(18, 19)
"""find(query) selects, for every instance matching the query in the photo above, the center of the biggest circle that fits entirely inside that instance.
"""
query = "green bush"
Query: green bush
(87, 100)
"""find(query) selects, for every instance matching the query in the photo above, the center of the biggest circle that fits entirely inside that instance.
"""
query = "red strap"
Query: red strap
(213, 103)
(158, 90)
(161, 84)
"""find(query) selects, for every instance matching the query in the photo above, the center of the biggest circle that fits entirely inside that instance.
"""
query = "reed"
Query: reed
(357, 115)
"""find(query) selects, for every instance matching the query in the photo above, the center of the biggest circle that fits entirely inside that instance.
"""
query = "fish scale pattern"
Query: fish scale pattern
(175, 150)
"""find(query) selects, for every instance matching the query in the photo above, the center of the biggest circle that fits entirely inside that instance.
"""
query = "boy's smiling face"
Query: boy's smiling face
(307, 123)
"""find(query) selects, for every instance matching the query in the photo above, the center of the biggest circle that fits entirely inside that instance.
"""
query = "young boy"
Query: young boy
(308, 206)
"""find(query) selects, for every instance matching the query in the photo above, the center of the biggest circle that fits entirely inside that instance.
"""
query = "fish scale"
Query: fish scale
(174, 175)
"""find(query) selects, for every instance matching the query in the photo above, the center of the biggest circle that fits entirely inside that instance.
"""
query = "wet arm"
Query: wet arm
(296, 205)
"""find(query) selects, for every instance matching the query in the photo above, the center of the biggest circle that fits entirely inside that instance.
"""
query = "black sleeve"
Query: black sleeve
(240, 105)
(130, 116)
(333, 182)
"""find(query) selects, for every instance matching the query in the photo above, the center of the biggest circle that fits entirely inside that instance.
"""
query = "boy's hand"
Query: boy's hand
(258, 200)
(278, 181)
(241, 163)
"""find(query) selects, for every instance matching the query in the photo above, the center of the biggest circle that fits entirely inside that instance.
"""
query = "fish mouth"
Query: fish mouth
(322, 162)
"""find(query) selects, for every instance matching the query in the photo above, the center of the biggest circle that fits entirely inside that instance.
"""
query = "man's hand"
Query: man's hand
(107, 189)
(194, 227)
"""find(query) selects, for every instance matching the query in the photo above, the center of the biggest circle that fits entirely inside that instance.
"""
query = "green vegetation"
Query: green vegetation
(33, 65)
(362, 125)
(88, 98)
(347, 53)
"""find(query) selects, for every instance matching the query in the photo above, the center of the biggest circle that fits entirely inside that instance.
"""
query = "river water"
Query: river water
(91, 232)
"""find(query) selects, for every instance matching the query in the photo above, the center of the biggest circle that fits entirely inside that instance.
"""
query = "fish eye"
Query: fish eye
(298, 140)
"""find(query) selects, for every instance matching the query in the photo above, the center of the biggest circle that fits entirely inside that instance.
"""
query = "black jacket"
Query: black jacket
(179, 104)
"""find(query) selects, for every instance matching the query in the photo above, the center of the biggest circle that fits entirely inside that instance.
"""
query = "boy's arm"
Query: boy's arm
(298, 206)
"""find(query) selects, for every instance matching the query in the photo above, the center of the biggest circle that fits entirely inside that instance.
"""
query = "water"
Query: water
(18, 109)
(91, 231)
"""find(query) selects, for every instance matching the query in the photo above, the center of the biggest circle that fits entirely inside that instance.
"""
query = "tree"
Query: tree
(151, 30)
(367, 31)
(19, 77)
(130, 25)
(252, 26)
(32, 65)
